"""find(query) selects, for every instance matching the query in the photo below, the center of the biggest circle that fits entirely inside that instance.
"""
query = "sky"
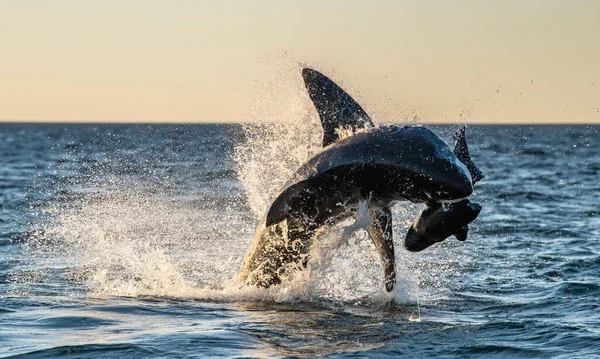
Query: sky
(505, 61)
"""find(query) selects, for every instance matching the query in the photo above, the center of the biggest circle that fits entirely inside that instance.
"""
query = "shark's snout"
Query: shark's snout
(454, 188)
(461, 186)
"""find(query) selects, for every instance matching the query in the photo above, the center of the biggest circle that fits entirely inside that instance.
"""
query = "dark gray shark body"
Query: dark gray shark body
(380, 165)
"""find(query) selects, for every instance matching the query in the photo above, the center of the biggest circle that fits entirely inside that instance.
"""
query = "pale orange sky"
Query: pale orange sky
(238, 61)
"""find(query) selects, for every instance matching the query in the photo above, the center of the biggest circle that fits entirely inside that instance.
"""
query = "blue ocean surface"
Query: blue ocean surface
(125, 241)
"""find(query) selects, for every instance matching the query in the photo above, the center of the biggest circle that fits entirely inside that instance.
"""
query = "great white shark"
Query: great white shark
(381, 165)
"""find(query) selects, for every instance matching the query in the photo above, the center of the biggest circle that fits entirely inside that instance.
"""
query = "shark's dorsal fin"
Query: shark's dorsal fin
(337, 110)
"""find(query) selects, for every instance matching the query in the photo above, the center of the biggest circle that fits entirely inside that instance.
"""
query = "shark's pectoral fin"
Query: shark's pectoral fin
(282, 205)
(381, 234)
(337, 110)
(278, 212)
(438, 222)
(461, 151)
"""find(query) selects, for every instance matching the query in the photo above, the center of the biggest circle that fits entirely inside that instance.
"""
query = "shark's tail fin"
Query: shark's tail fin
(461, 151)
(337, 110)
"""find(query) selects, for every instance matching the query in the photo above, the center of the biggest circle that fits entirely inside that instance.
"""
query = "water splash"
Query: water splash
(151, 220)
(269, 157)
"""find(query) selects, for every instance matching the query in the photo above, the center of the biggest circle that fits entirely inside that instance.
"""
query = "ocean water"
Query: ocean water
(126, 240)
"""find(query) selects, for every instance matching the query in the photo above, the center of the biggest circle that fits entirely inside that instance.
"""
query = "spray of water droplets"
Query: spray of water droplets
(148, 216)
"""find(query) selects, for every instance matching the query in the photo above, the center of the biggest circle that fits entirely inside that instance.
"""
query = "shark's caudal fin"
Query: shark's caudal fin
(337, 110)
(461, 151)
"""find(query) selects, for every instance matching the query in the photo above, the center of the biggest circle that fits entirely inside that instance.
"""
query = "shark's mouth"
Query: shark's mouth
(450, 201)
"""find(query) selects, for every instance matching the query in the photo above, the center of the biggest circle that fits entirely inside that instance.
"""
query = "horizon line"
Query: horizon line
(93, 122)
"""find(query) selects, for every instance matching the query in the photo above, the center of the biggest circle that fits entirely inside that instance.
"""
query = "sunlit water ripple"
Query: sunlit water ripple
(125, 241)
